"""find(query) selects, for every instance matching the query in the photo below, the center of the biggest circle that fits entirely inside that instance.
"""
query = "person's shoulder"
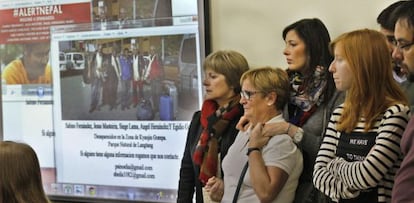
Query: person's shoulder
(408, 87)
(338, 109)
(398, 108)
(196, 115)
(337, 98)
(48, 74)
(396, 112)
(281, 140)
(48, 68)
(195, 120)
(15, 64)
(281, 145)
(14, 67)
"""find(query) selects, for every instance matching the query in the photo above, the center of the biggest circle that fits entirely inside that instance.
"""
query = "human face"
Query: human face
(122, 13)
(391, 43)
(404, 34)
(38, 56)
(152, 50)
(125, 52)
(256, 108)
(389, 34)
(341, 70)
(217, 88)
(295, 51)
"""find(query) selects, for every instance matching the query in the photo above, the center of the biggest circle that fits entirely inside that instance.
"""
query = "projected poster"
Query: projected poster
(26, 71)
(125, 114)
(29, 95)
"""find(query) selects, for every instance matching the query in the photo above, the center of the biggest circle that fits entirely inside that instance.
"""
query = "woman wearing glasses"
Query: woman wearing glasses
(313, 97)
(360, 152)
(212, 130)
(274, 163)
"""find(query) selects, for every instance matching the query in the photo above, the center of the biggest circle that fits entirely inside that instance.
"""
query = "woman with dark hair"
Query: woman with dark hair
(315, 38)
(312, 99)
(20, 177)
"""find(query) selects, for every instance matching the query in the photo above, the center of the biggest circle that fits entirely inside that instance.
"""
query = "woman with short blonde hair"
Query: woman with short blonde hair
(274, 164)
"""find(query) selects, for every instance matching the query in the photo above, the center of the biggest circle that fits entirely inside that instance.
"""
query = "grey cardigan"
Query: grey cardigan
(314, 128)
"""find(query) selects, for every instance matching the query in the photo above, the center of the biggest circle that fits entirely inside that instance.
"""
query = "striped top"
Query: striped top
(341, 179)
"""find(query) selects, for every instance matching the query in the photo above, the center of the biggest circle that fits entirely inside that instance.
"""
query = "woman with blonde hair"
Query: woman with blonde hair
(212, 130)
(20, 177)
(360, 152)
(264, 169)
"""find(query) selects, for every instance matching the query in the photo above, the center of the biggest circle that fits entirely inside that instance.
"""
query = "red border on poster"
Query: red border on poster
(32, 24)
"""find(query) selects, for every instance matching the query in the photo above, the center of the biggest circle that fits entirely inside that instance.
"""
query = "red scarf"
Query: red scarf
(214, 121)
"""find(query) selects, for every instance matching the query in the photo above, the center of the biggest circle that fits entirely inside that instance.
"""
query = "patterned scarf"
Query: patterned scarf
(306, 102)
(214, 121)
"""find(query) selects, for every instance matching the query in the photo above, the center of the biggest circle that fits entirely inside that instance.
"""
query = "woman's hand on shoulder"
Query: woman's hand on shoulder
(272, 129)
(243, 124)
(256, 138)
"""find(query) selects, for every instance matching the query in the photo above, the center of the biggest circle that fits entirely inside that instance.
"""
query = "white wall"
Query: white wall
(254, 27)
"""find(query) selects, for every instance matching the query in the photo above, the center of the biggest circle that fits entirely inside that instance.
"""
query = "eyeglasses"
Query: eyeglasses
(248, 94)
(404, 47)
